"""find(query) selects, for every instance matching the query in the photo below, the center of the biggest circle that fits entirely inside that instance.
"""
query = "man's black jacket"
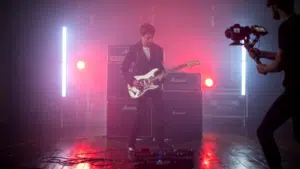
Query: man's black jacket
(136, 60)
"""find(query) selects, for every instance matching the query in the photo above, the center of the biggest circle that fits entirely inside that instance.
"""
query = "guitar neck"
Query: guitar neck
(196, 62)
(171, 70)
(176, 68)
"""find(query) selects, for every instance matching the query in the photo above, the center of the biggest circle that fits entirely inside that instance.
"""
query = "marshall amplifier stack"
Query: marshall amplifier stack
(116, 86)
(182, 100)
(121, 109)
(183, 106)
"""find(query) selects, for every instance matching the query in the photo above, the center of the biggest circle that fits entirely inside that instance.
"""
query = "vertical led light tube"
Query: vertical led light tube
(243, 71)
(64, 63)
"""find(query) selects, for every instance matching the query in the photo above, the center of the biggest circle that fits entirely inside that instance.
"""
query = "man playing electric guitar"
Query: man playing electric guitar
(145, 56)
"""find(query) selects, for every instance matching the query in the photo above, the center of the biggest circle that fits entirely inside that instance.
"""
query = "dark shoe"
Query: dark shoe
(131, 148)
(131, 151)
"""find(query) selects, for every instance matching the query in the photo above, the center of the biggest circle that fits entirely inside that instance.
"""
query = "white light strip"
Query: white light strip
(64, 63)
(243, 82)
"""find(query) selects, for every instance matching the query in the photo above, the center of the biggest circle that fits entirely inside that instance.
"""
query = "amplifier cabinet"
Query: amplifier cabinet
(225, 104)
(183, 115)
(183, 82)
(121, 114)
(116, 53)
(116, 86)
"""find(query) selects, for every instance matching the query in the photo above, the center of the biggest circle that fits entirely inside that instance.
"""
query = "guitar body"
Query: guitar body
(147, 81)
(135, 92)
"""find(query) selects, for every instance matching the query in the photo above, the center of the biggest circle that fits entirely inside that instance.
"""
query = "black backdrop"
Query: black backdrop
(28, 35)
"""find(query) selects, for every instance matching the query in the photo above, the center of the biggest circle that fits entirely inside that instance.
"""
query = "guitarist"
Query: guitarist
(285, 59)
(143, 57)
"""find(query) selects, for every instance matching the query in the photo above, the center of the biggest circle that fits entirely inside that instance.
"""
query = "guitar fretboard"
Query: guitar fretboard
(172, 70)
(176, 68)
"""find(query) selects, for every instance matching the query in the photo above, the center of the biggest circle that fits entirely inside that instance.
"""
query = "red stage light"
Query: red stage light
(209, 82)
(80, 65)
(206, 162)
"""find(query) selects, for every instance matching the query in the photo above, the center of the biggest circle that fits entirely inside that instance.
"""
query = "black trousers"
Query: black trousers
(158, 116)
(285, 107)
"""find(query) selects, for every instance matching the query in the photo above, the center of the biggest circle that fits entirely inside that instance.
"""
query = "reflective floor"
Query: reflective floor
(215, 151)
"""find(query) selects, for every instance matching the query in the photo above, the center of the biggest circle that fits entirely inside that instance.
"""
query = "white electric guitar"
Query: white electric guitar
(147, 81)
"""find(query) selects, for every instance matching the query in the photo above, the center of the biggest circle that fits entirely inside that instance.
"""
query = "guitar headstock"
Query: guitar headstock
(192, 63)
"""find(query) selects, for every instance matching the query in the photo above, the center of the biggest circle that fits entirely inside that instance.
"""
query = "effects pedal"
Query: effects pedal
(181, 158)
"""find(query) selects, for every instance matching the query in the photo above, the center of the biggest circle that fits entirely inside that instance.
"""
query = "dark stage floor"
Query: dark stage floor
(217, 151)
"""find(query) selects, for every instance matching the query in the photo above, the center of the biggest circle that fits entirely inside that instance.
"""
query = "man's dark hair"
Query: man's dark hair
(286, 6)
(147, 28)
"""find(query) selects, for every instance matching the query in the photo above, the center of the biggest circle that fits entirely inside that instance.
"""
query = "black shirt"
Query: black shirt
(289, 43)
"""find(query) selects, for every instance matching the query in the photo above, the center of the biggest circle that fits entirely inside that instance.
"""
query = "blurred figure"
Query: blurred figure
(285, 59)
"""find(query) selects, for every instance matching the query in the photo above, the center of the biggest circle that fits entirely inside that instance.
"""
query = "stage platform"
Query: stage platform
(214, 151)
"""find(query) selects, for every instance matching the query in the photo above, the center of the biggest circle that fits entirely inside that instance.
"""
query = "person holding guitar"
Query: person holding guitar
(285, 59)
(145, 56)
